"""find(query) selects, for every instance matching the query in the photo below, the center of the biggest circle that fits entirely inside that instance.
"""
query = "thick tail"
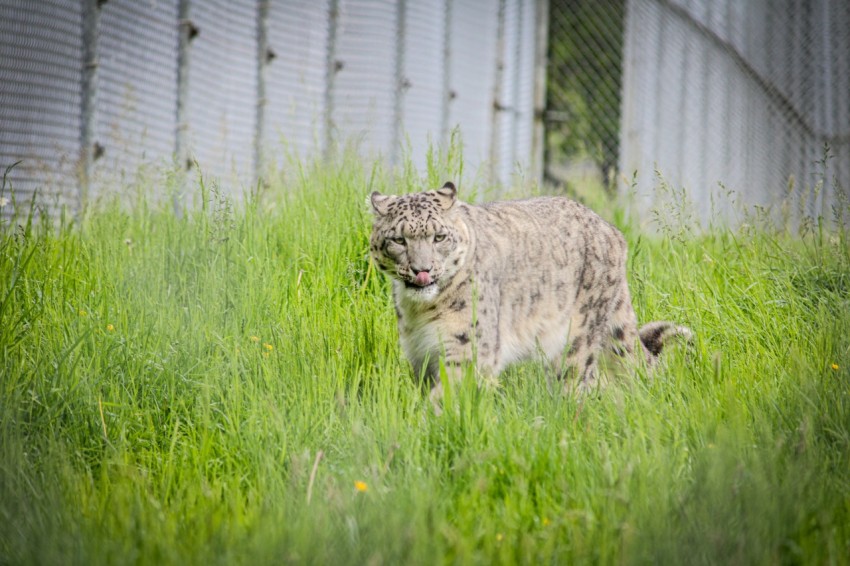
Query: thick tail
(656, 335)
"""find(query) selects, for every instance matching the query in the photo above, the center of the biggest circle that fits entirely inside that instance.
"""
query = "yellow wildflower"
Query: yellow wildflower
(110, 328)
(499, 537)
(268, 347)
(255, 338)
(835, 366)
(361, 486)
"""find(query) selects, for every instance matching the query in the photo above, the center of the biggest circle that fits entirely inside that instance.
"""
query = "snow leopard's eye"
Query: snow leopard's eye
(398, 240)
(439, 237)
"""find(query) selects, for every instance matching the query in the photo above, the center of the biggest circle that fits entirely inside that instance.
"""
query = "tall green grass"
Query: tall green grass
(211, 388)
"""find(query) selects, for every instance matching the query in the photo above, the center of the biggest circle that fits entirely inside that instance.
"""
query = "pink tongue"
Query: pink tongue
(423, 278)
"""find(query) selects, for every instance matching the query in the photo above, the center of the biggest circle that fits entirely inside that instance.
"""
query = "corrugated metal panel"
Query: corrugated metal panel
(423, 102)
(365, 87)
(642, 18)
(472, 74)
(40, 97)
(295, 79)
(137, 88)
(371, 73)
(689, 111)
(222, 101)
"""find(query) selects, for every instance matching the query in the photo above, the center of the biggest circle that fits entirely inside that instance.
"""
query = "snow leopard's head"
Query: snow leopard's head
(418, 240)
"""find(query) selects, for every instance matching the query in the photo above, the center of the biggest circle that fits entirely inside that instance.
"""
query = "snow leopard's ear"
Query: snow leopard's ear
(380, 203)
(447, 195)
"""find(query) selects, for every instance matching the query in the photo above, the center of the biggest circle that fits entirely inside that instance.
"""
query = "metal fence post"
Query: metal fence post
(333, 67)
(89, 149)
(265, 55)
(401, 82)
(541, 46)
(186, 31)
(495, 130)
(448, 93)
(514, 110)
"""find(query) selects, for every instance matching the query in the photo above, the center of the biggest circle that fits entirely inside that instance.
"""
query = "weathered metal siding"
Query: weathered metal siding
(473, 41)
(222, 103)
(737, 97)
(41, 98)
(365, 86)
(296, 78)
(514, 107)
(92, 91)
(424, 75)
(136, 109)
(524, 85)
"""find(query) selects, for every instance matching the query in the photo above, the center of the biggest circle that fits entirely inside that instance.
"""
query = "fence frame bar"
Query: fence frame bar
(88, 111)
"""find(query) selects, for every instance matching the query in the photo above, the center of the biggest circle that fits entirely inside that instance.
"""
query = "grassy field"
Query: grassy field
(226, 387)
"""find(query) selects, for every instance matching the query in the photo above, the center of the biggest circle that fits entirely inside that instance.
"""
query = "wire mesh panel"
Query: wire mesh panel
(583, 88)
(296, 77)
(137, 88)
(222, 103)
(472, 76)
(40, 99)
(365, 86)
(724, 96)
(424, 77)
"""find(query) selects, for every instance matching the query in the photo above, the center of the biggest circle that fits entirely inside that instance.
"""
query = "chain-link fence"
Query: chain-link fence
(584, 89)
(718, 97)
(705, 92)
(91, 90)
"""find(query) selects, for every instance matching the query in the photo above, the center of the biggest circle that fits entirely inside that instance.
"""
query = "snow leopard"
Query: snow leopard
(506, 281)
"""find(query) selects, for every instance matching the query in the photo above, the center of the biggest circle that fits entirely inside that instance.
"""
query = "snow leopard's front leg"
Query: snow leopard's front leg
(470, 336)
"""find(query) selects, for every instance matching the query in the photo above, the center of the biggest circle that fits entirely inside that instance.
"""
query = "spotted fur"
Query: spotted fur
(505, 281)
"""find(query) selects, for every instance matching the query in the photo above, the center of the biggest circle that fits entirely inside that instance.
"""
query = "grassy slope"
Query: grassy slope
(177, 389)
